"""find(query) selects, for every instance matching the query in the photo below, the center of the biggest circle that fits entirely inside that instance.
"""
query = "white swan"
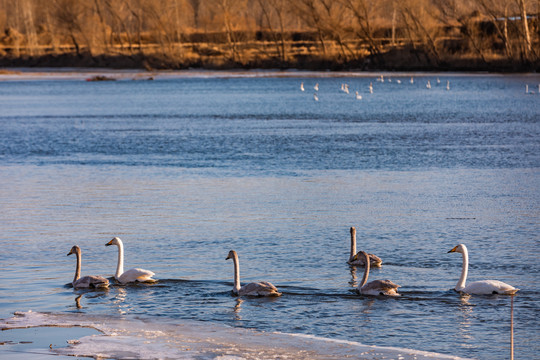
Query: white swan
(302, 86)
(131, 275)
(90, 281)
(316, 87)
(428, 85)
(358, 96)
(371, 88)
(375, 287)
(315, 97)
(483, 287)
(262, 288)
(355, 259)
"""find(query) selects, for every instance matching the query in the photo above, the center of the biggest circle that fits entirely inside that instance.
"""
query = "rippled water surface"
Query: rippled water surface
(184, 169)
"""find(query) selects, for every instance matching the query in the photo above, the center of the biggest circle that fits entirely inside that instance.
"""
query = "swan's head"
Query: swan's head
(114, 241)
(460, 249)
(74, 250)
(353, 230)
(360, 254)
(231, 255)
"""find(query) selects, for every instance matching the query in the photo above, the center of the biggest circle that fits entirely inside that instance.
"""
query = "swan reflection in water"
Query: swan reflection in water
(78, 302)
(354, 278)
(237, 309)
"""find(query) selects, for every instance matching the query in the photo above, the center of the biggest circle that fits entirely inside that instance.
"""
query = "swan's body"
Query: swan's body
(483, 287)
(371, 88)
(130, 275)
(374, 260)
(316, 87)
(90, 281)
(428, 85)
(358, 96)
(262, 288)
(375, 287)
(302, 86)
(315, 97)
(447, 84)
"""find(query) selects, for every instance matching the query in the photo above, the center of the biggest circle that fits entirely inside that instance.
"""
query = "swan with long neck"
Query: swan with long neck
(375, 287)
(131, 275)
(482, 287)
(262, 288)
(374, 260)
(90, 281)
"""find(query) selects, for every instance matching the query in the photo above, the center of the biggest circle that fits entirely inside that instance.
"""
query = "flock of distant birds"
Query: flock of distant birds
(358, 96)
(361, 258)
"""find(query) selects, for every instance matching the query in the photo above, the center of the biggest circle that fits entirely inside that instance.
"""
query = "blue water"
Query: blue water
(185, 168)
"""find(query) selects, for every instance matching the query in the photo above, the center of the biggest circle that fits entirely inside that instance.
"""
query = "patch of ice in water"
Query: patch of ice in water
(162, 338)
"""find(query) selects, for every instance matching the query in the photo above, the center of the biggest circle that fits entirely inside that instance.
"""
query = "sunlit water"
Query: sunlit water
(184, 169)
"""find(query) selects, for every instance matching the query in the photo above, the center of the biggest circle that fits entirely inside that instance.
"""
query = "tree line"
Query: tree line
(365, 34)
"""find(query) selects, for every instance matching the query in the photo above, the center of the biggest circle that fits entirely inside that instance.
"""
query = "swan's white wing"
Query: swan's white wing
(91, 282)
(262, 288)
(380, 287)
(136, 274)
(374, 260)
(489, 287)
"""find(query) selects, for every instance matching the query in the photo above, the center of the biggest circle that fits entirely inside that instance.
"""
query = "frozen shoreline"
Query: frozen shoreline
(124, 338)
(26, 74)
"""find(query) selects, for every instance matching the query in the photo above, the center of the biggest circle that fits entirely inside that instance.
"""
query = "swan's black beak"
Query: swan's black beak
(453, 250)
(227, 258)
(69, 253)
(109, 243)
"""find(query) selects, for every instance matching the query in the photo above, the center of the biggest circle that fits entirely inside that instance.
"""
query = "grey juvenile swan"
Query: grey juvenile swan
(262, 288)
(374, 260)
(90, 281)
(375, 287)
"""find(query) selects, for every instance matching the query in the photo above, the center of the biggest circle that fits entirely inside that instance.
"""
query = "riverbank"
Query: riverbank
(396, 59)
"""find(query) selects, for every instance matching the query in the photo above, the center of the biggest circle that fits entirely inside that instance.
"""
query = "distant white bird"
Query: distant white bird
(483, 287)
(527, 90)
(90, 281)
(315, 97)
(130, 275)
(412, 80)
(389, 79)
(447, 84)
(302, 86)
(358, 96)
(398, 81)
(428, 85)
(316, 87)
(262, 288)
(376, 287)
(346, 88)
(438, 81)
(371, 88)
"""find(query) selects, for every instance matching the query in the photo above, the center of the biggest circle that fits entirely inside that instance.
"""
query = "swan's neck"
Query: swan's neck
(463, 278)
(120, 266)
(353, 243)
(236, 274)
(366, 271)
(78, 268)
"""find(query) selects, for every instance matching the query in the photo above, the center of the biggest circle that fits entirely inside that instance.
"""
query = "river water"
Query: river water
(191, 165)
